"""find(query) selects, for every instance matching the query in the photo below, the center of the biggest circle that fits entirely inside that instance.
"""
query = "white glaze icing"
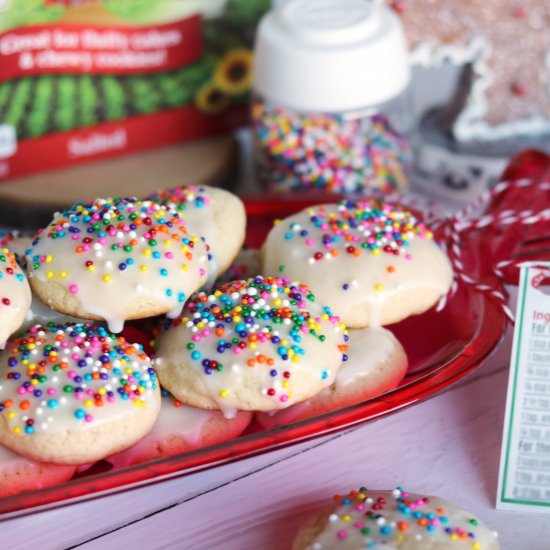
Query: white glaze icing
(72, 377)
(17, 241)
(182, 421)
(315, 246)
(15, 295)
(368, 348)
(113, 254)
(396, 519)
(194, 204)
(428, 55)
(174, 420)
(272, 344)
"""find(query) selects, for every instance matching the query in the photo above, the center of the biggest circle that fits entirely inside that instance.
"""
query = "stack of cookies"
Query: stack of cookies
(235, 333)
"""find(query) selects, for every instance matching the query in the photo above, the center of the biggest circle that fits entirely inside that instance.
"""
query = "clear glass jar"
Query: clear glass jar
(347, 152)
(331, 104)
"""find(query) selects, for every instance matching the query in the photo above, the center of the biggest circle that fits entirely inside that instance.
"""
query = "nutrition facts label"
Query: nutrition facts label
(524, 480)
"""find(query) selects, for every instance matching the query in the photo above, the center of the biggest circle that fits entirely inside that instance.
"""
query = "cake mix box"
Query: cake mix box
(87, 79)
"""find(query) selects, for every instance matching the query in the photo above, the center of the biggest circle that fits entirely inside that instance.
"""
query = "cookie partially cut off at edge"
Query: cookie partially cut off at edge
(15, 295)
(17, 241)
(394, 519)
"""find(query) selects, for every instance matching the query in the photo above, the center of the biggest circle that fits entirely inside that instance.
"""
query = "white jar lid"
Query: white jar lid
(330, 55)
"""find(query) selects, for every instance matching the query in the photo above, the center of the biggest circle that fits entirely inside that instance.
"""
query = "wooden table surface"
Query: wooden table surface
(448, 445)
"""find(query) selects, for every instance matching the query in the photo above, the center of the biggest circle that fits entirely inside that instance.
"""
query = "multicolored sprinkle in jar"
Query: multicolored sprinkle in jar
(341, 152)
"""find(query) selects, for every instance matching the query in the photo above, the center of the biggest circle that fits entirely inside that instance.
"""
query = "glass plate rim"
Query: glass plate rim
(492, 324)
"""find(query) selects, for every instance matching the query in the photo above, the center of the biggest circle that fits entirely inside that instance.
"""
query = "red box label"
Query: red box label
(41, 49)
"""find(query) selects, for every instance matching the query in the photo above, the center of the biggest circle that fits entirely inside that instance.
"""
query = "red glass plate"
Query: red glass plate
(442, 348)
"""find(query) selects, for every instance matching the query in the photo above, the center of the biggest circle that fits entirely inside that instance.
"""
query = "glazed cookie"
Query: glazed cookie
(257, 344)
(394, 519)
(373, 263)
(213, 213)
(17, 241)
(15, 295)
(179, 429)
(376, 364)
(117, 259)
(72, 394)
(19, 473)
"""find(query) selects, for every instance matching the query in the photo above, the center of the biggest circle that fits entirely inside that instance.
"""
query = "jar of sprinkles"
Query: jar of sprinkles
(330, 108)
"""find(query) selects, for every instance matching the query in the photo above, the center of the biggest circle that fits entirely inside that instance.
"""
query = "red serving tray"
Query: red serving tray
(442, 348)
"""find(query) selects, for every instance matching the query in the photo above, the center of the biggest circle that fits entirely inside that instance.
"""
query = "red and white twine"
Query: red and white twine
(452, 229)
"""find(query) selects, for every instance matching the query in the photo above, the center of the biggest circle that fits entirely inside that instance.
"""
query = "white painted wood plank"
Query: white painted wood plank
(67, 526)
(71, 525)
(447, 446)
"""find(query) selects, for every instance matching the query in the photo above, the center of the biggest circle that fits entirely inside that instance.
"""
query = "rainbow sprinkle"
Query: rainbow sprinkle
(15, 295)
(60, 376)
(9, 271)
(338, 153)
(367, 519)
(239, 316)
(360, 257)
(191, 202)
(7, 237)
(94, 245)
(182, 199)
(356, 228)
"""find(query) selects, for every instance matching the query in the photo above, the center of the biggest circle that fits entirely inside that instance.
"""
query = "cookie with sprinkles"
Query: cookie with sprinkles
(213, 213)
(17, 241)
(19, 473)
(117, 259)
(15, 295)
(394, 519)
(257, 344)
(75, 393)
(376, 364)
(179, 429)
(373, 262)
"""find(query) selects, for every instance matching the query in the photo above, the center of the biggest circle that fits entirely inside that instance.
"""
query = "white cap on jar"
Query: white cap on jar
(330, 55)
